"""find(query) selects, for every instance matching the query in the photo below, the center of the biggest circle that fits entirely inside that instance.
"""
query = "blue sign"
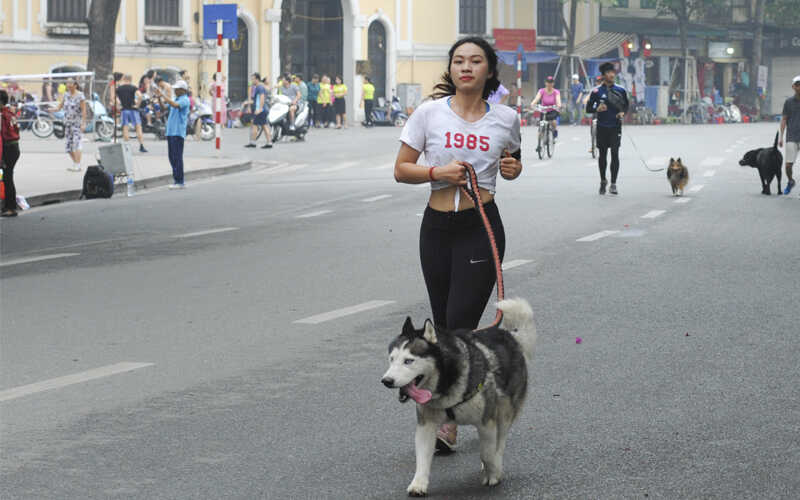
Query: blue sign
(230, 24)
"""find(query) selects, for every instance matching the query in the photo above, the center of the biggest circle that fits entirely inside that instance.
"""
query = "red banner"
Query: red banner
(505, 39)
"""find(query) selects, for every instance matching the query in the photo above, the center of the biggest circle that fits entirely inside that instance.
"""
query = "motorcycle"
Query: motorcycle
(99, 122)
(389, 116)
(201, 112)
(278, 118)
(31, 117)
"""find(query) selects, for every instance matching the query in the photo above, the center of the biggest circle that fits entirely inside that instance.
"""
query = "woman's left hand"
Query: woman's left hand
(510, 167)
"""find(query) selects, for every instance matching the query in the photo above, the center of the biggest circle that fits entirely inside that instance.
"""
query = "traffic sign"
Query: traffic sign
(225, 12)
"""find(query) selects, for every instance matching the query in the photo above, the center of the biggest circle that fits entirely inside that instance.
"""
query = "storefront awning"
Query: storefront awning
(509, 57)
(600, 44)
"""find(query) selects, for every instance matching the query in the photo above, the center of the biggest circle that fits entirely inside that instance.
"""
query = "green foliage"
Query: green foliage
(783, 12)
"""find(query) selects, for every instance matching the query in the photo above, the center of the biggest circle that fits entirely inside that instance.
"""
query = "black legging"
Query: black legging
(458, 265)
(603, 161)
(10, 157)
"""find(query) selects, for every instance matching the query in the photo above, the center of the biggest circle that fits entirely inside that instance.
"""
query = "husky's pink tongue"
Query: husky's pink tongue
(421, 396)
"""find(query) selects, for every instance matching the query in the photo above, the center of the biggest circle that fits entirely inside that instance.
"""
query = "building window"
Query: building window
(622, 4)
(472, 17)
(162, 12)
(549, 15)
(66, 11)
(648, 4)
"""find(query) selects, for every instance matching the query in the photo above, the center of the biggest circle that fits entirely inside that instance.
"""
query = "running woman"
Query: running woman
(550, 97)
(457, 128)
(610, 103)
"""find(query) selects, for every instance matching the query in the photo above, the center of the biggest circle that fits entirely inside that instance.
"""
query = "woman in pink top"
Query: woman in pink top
(549, 97)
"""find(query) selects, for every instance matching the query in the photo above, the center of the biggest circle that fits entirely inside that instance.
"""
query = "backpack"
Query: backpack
(97, 183)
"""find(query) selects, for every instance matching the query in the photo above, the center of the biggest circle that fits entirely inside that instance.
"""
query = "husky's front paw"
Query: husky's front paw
(418, 488)
(488, 478)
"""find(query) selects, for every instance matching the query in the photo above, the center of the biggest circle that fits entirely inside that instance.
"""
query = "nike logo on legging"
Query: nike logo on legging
(477, 261)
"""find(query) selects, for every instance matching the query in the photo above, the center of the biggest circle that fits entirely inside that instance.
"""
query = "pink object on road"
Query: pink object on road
(578, 340)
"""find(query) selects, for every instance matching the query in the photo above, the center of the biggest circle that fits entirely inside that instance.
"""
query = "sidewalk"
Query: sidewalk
(43, 178)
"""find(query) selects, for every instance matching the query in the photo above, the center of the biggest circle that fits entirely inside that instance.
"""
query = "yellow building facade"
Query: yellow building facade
(408, 38)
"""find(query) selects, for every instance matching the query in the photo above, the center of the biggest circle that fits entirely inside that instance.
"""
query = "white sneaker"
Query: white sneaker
(74, 169)
(173, 187)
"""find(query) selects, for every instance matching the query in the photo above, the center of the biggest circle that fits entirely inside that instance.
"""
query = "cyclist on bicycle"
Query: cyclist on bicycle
(550, 98)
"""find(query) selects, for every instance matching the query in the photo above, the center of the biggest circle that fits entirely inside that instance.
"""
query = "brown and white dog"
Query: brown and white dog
(678, 176)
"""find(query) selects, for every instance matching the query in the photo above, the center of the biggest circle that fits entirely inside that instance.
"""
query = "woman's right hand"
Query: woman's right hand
(453, 173)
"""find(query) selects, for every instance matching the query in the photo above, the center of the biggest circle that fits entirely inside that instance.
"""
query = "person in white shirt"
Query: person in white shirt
(456, 128)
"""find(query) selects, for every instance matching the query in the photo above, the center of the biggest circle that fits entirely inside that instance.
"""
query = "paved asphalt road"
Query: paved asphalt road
(685, 385)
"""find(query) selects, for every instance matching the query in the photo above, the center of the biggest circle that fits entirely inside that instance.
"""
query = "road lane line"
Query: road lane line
(340, 166)
(209, 231)
(709, 173)
(345, 311)
(652, 214)
(657, 160)
(597, 236)
(75, 378)
(26, 260)
(683, 200)
(386, 166)
(515, 263)
(313, 214)
(376, 198)
(712, 162)
(696, 188)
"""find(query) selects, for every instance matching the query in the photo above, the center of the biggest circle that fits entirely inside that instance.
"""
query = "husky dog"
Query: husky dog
(464, 377)
(678, 176)
(768, 161)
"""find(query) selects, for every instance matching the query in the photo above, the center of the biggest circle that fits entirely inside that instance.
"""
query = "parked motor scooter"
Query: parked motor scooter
(278, 118)
(201, 112)
(389, 116)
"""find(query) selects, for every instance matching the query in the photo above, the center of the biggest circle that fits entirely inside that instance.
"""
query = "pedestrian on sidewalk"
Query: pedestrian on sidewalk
(74, 105)
(456, 263)
(610, 103)
(130, 98)
(176, 130)
(260, 100)
(791, 121)
(9, 153)
(340, 104)
(313, 105)
(324, 101)
(368, 100)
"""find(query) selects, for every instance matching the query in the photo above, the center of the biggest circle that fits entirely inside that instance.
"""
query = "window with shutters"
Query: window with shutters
(66, 11)
(549, 18)
(162, 13)
(472, 17)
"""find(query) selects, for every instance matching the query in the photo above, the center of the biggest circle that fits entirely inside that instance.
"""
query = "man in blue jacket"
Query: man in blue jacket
(610, 102)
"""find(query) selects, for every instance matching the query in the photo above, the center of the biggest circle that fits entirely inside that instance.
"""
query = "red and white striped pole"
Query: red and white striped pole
(519, 83)
(218, 81)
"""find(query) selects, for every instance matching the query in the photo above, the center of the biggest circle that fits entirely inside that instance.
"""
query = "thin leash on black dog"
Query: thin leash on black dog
(472, 190)
(641, 158)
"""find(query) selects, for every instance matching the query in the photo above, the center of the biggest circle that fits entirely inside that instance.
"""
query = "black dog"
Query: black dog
(768, 161)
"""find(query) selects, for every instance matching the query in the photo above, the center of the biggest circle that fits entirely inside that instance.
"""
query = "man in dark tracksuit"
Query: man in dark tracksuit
(610, 102)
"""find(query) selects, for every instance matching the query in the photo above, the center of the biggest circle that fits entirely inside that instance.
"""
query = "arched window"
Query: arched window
(472, 17)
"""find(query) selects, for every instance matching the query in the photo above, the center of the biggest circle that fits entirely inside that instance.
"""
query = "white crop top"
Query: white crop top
(435, 130)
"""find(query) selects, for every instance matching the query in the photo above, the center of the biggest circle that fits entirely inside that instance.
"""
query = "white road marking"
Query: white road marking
(652, 214)
(209, 231)
(658, 160)
(26, 260)
(386, 166)
(683, 200)
(422, 185)
(515, 263)
(345, 311)
(340, 166)
(729, 150)
(696, 188)
(597, 236)
(75, 378)
(313, 214)
(376, 198)
(712, 162)
(709, 173)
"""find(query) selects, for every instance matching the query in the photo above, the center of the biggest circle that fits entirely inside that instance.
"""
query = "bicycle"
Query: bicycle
(546, 139)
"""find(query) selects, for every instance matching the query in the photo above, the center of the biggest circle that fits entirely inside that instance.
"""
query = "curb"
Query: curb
(149, 183)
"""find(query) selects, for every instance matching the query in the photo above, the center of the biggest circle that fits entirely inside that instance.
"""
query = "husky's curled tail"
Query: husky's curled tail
(518, 319)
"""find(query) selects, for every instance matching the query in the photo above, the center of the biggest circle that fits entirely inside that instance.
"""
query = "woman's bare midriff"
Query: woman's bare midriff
(443, 200)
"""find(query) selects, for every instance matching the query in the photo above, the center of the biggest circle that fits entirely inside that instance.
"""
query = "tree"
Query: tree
(102, 22)
(784, 13)
(288, 11)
